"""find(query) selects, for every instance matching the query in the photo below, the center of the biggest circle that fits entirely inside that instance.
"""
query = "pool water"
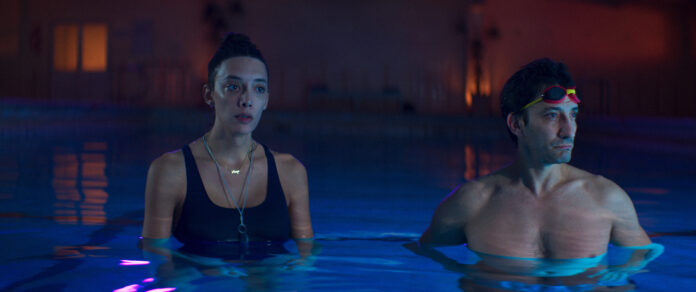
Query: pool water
(72, 181)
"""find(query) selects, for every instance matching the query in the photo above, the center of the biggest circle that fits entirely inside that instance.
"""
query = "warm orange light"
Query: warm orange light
(79, 181)
(93, 170)
(469, 159)
(94, 47)
(65, 48)
(94, 183)
(485, 161)
(70, 195)
(67, 252)
(94, 196)
(484, 85)
(63, 184)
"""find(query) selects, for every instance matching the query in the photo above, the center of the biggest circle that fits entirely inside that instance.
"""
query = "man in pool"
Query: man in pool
(539, 206)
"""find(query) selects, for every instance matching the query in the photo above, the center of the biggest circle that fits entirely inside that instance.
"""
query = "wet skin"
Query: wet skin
(239, 96)
(539, 206)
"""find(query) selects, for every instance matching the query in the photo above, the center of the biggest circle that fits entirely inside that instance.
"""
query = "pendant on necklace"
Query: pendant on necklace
(234, 171)
(243, 236)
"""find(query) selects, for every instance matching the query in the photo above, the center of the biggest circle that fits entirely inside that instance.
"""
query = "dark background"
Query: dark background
(447, 57)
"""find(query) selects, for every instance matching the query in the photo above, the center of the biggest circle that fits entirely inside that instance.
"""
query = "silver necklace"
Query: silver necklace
(238, 171)
(241, 228)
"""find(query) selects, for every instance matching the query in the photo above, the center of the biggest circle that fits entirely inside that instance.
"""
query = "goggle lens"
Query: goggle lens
(555, 94)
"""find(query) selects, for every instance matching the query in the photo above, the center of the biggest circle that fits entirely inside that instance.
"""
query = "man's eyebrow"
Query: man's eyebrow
(552, 108)
(555, 108)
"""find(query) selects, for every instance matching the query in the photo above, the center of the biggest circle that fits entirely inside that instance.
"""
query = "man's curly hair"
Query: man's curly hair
(528, 83)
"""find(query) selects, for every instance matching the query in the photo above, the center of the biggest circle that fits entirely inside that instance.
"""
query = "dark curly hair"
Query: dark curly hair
(233, 45)
(528, 83)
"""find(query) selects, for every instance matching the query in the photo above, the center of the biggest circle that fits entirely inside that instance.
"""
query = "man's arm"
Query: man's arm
(625, 230)
(447, 225)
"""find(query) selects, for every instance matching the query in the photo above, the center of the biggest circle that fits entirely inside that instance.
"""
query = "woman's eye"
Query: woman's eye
(550, 115)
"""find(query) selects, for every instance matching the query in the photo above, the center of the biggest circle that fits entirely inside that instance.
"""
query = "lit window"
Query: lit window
(65, 48)
(85, 48)
(94, 47)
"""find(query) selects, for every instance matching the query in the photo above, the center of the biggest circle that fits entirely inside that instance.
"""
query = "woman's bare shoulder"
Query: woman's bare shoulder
(167, 173)
(289, 165)
(292, 175)
(169, 163)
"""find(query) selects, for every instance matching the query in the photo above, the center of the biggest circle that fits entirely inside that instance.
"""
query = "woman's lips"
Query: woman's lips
(244, 118)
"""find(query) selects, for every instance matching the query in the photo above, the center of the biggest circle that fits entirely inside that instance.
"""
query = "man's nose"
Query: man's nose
(567, 127)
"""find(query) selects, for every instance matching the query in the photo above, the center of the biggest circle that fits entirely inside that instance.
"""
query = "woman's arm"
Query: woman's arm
(293, 179)
(164, 190)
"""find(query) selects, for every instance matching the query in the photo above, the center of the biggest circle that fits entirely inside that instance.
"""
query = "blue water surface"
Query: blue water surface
(72, 183)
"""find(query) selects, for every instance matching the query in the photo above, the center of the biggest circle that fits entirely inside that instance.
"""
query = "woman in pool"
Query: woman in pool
(225, 187)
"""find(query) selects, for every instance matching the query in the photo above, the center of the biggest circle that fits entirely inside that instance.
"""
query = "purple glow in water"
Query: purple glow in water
(148, 280)
(161, 290)
(133, 263)
(129, 288)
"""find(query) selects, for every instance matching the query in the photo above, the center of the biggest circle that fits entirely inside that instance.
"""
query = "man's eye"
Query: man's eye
(261, 89)
(550, 115)
(233, 87)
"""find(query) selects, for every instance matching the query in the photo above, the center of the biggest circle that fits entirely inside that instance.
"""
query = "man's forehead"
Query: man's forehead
(567, 105)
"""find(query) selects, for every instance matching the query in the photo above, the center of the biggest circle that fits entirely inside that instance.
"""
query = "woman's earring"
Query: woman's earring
(211, 104)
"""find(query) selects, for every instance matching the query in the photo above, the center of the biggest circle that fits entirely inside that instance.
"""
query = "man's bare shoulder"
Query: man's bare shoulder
(476, 192)
(602, 188)
(465, 201)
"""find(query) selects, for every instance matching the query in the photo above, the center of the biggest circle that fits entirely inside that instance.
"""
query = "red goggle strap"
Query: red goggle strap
(572, 95)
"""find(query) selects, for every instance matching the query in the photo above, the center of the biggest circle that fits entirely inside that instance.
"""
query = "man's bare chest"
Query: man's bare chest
(528, 227)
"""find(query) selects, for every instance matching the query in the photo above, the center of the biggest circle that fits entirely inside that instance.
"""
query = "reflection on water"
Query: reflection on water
(134, 263)
(470, 172)
(608, 272)
(79, 183)
(136, 287)
(53, 193)
(174, 269)
(73, 252)
(383, 269)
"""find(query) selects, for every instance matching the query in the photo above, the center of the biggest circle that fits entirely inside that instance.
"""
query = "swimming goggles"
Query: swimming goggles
(555, 94)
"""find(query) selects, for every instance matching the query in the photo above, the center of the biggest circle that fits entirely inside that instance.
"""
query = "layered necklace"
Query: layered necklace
(241, 228)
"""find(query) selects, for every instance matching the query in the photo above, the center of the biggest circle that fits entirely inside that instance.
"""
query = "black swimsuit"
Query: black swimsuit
(202, 223)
